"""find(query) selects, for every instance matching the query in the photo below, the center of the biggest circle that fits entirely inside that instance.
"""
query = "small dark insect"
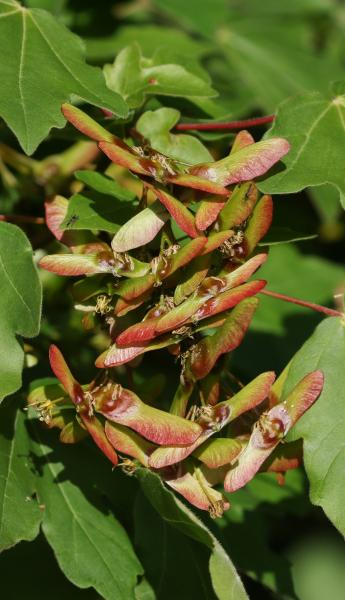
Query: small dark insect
(72, 220)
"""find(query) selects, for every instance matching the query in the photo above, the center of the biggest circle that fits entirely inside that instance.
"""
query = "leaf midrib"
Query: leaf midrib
(6, 478)
(19, 295)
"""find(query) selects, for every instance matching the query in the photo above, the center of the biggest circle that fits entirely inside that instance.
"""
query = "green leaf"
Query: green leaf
(318, 567)
(155, 126)
(42, 64)
(133, 77)
(279, 328)
(322, 428)
(290, 272)
(20, 515)
(293, 7)
(203, 19)
(284, 235)
(165, 552)
(92, 210)
(90, 545)
(225, 580)
(104, 185)
(149, 38)
(314, 124)
(20, 304)
(27, 586)
(273, 62)
(326, 202)
(256, 514)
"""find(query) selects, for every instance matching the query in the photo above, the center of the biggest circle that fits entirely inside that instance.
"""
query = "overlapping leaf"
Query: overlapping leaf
(20, 304)
(322, 427)
(314, 124)
(31, 101)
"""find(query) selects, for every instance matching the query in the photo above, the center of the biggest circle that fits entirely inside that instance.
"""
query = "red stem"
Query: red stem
(322, 309)
(230, 125)
(22, 219)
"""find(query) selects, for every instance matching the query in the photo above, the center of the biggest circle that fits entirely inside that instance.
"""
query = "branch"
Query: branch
(230, 125)
(322, 309)
(22, 219)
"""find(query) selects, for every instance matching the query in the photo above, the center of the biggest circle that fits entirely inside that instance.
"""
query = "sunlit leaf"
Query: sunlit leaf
(37, 38)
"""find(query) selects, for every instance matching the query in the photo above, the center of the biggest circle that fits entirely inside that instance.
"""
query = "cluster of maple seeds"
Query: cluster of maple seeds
(204, 309)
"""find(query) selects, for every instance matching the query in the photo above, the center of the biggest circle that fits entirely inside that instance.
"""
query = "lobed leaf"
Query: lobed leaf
(314, 125)
(135, 77)
(78, 513)
(44, 66)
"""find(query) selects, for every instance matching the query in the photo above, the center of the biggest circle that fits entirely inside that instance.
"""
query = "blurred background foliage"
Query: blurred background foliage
(256, 54)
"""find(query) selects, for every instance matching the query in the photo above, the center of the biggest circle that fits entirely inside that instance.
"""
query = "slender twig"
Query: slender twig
(230, 125)
(22, 219)
(322, 309)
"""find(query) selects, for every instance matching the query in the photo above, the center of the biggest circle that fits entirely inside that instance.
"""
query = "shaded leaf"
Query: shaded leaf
(20, 304)
(226, 582)
(17, 481)
(92, 210)
(155, 126)
(133, 77)
(109, 563)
